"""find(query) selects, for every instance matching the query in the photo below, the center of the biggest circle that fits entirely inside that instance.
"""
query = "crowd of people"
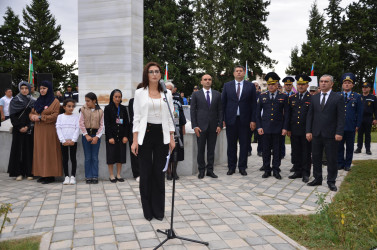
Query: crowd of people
(318, 122)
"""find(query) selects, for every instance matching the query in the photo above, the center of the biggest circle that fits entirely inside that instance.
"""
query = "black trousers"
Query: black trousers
(238, 133)
(208, 137)
(301, 154)
(365, 128)
(152, 160)
(331, 149)
(271, 141)
(72, 153)
(134, 161)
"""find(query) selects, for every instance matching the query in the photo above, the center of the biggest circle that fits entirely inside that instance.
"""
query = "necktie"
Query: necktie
(208, 99)
(345, 97)
(300, 97)
(272, 96)
(238, 90)
(323, 100)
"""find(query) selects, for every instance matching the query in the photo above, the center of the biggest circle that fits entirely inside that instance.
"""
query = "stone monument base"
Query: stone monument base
(185, 168)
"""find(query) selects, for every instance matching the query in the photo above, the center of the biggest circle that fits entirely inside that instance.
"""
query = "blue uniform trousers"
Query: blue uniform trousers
(349, 140)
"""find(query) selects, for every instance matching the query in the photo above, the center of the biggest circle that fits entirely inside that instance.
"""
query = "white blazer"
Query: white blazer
(141, 115)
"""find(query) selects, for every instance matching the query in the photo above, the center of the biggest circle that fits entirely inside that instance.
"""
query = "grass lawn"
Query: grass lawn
(31, 243)
(373, 135)
(348, 222)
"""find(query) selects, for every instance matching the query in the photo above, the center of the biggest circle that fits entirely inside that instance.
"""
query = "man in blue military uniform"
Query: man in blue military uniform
(272, 124)
(301, 148)
(370, 110)
(354, 114)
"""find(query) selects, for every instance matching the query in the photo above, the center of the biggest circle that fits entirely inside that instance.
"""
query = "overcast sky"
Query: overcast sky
(287, 21)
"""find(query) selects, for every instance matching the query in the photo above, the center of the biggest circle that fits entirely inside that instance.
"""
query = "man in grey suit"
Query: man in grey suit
(206, 120)
(325, 126)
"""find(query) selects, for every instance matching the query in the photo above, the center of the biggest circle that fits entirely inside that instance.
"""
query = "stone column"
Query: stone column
(110, 37)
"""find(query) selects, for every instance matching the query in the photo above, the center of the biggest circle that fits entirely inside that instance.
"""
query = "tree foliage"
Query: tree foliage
(213, 36)
(13, 58)
(342, 42)
(43, 38)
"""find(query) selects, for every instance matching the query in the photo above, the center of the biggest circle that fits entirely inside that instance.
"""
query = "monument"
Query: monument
(110, 47)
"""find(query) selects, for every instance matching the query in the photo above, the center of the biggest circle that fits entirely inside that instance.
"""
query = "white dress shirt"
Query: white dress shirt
(241, 87)
(210, 94)
(326, 97)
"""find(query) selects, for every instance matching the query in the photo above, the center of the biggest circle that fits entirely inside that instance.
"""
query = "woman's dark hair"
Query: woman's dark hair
(145, 74)
(139, 86)
(93, 97)
(65, 102)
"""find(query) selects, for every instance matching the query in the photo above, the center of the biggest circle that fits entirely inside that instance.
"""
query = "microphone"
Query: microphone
(162, 83)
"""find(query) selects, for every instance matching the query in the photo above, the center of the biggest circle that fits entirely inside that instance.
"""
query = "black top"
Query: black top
(298, 110)
(113, 129)
(370, 107)
(21, 119)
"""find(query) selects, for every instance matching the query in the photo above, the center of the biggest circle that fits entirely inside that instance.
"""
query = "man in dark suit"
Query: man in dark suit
(325, 128)
(206, 120)
(301, 149)
(272, 123)
(239, 108)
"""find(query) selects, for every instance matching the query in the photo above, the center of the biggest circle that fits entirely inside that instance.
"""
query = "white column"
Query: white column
(110, 37)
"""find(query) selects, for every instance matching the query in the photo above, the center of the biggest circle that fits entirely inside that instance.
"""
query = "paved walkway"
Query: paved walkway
(222, 211)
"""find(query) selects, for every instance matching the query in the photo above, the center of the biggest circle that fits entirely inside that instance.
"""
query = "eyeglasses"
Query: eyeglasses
(207, 79)
(153, 72)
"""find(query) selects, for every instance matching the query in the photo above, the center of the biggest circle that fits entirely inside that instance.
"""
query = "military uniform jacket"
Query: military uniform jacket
(370, 108)
(298, 111)
(272, 115)
(353, 108)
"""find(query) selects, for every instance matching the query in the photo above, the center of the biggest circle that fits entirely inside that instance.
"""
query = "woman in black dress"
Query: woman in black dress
(117, 132)
(21, 153)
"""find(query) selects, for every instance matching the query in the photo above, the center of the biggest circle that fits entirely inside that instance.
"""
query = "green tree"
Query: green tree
(168, 28)
(13, 58)
(360, 36)
(43, 38)
(208, 30)
(243, 36)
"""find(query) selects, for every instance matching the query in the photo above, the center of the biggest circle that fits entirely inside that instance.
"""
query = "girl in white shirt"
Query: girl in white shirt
(67, 128)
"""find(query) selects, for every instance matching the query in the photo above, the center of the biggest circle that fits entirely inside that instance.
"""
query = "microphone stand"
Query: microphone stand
(170, 234)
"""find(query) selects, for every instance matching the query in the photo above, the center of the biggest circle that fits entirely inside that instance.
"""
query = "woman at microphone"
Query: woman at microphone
(153, 138)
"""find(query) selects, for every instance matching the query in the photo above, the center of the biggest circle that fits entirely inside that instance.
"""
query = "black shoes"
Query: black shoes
(211, 174)
(332, 187)
(305, 179)
(41, 179)
(230, 172)
(88, 181)
(94, 180)
(263, 168)
(248, 153)
(201, 175)
(169, 177)
(243, 172)
(266, 174)
(277, 175)
(295, 176)
(48, 180)
(113, 180)
(260, 154)
(340, 167)
(120, 179)
(315, 182)
(347, 168)
(357, 151)
(292, 169)
(368, 152)
(159, 218)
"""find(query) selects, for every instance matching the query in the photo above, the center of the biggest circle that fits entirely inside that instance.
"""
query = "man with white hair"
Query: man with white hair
(179, 121)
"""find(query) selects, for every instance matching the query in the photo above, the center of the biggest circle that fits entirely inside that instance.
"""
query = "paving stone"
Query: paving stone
(62, 236)
(89, 241)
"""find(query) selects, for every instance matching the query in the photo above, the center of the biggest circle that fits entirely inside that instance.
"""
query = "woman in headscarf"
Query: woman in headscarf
(47, 160)
(117, 128)
(21, 153)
